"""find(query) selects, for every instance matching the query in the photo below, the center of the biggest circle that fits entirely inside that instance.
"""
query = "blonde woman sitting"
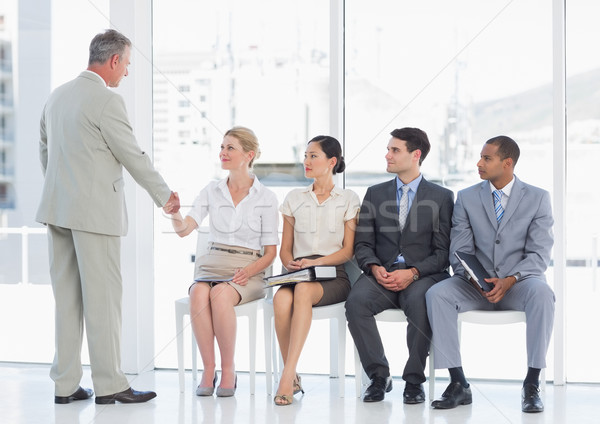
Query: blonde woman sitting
(243, 219)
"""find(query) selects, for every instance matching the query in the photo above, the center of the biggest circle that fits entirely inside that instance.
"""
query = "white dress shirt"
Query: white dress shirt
(506, 190)
(253, 223)
(319, 227)
(412, 192)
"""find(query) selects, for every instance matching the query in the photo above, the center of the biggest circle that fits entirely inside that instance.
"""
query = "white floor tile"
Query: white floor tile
(26, 397)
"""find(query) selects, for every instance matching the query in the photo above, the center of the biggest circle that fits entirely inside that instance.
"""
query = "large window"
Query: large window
(462, 71)
(583, 198)
(42, 45)
(262, 64)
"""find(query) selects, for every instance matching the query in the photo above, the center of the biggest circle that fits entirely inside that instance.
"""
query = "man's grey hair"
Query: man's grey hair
(107, 44)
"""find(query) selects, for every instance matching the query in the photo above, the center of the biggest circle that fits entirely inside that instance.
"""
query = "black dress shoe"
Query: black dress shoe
(413, 393)
(378, 388)
(454, 395)
(530, 399)
(126, 396)
(80, 394)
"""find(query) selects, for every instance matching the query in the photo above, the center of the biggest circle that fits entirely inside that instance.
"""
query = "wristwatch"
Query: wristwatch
(415, 272)
(517, 277)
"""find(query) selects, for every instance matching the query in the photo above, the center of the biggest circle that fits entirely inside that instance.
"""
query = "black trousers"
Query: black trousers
(368, 298)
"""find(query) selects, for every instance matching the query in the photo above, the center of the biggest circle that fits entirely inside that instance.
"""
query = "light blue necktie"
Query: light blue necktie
(403, 209)
(498, 205)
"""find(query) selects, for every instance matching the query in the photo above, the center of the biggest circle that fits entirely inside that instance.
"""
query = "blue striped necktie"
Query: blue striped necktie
(498, 205)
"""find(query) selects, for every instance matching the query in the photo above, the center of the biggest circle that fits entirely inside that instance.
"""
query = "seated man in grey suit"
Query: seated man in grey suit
(401, 244)
(507, 225)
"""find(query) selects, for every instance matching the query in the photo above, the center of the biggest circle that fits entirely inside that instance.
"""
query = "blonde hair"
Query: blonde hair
(248, 141)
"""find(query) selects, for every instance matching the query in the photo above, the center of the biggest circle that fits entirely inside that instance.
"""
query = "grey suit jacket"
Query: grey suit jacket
(521, 243)
(425, 241)
(85, 141)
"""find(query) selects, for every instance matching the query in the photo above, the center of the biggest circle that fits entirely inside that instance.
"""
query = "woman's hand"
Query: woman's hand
(241, 276)
(305, 263)
(293, 266)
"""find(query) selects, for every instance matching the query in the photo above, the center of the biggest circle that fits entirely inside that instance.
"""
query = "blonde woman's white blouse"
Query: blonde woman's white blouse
(253, 223)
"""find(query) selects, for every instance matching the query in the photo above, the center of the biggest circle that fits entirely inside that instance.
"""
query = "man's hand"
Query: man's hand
(389, 280)
(501, 286)
(474, 284)
(172, 206)
(402, 278)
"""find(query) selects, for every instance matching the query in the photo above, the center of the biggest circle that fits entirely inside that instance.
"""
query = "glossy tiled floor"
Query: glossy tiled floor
(26, 397)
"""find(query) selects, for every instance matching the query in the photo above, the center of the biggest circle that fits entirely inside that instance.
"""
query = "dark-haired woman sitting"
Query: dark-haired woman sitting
(318, 229)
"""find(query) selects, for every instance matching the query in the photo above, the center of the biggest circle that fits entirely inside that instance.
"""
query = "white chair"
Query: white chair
(495, 318)
(250, 310)
(336, 313)
(389, 315)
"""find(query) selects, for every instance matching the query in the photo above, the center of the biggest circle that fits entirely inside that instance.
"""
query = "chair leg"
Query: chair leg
(358, 373)
(431, 375)
(341, 359)
(194, 359)
(252, 351)
(276, 360)
(333, 349)
(543, 378)
(179, 333)
(267, 324)
(281, 365)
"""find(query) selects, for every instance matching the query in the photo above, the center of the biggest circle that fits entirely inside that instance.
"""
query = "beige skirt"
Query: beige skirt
(222, 261)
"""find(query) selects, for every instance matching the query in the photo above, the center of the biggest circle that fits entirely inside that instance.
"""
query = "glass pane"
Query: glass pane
(42, 45)
(261, 64)
(463, 71)
(583, 198)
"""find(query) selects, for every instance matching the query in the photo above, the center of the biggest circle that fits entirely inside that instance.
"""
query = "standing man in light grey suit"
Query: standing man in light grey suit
(401, 244)
(85, 141)
(507, 225)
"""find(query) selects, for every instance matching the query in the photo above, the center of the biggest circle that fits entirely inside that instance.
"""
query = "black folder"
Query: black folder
(475, 270)
(313, 273)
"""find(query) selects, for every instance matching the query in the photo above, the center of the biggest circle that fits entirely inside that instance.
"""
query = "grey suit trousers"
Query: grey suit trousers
(448, 298)
(86, 281)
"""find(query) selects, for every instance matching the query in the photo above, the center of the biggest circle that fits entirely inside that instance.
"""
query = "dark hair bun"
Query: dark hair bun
(340, 166)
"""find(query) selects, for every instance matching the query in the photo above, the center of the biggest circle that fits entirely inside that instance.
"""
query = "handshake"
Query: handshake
(172, 206)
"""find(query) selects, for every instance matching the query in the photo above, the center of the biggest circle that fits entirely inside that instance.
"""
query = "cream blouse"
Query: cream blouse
(319, 228)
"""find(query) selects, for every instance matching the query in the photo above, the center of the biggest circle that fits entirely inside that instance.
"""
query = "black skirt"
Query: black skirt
(334, 291)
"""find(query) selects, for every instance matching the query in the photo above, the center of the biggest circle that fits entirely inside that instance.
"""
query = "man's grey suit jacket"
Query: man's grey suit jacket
(85, 140)
(425, 240)
(521, 243)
